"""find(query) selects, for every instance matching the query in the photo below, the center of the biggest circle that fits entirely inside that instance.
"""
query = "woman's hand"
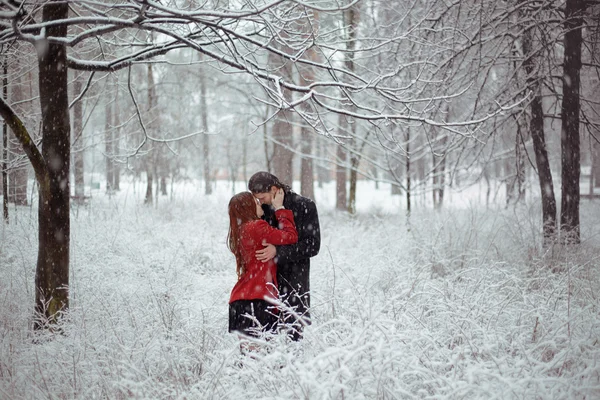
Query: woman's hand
(278, 199)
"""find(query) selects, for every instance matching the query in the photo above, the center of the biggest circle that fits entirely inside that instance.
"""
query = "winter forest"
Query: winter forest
(452, 149)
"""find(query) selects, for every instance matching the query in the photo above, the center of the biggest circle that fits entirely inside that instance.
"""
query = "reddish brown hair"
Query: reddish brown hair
(242, 209)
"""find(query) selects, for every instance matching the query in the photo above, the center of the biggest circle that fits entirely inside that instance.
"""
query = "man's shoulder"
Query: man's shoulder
(299, 199)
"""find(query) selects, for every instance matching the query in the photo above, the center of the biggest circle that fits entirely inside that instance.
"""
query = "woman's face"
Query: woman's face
(259, 210)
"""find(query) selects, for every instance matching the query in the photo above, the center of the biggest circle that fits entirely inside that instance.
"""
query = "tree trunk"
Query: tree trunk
(408, 183)
(152, 125)
(205, 137)
(283, 142)
(307, 180)
(78, 140)
(148, 199)
(5, 144)
(354, 161)
(595, 164)
(52, 272)
(322, 172)
(520, 153)
(163, 185)
(341, 175)
(116, 171)
(108, 142)
(351, 20)
(570, 152)
(18, 176)
(536, 126)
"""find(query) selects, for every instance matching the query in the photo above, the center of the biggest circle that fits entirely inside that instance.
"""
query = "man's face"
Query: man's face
(266, 198)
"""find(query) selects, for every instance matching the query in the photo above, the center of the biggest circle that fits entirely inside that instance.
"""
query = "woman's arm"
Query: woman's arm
(286, 234)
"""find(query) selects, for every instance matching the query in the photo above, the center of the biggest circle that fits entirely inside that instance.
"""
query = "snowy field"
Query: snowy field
(456, 304)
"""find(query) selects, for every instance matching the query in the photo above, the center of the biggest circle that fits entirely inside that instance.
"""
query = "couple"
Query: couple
(273, 232)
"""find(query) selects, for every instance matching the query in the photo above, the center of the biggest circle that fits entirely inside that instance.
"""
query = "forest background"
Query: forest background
(416, 100)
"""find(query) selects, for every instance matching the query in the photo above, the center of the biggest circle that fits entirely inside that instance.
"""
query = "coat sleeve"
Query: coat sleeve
(309, 235)
(286, 234)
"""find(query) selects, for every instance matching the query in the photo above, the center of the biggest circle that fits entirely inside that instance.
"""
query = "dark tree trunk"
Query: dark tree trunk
(520, 154)
(354, 161)
(5, 143)
(536, 126)
(52, 273)
(78, 140)
(148, 199)
(570, 152)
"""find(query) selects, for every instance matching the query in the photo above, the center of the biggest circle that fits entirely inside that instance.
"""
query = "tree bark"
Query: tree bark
(116, 171)
(408, 183)
(5, 143)
(351, 20)
(570, 107)
(108, 142)
(52, 273)
(205, 137)
(595, 172)
(148, 199)
(341, 175)
(307, 180)
(78, 140)
(18, 176)
(536, 127)
(283, 141)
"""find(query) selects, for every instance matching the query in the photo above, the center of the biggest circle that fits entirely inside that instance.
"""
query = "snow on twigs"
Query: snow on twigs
(464, 305)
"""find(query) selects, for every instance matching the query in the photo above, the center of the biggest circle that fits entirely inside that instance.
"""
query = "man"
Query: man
(293, 261)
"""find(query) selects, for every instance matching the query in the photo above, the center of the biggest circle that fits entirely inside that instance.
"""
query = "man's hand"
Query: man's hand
(266, 254)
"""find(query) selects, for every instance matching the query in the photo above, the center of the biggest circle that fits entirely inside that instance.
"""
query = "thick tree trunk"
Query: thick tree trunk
(570, 152)
(283, 141)
(78, 140)
(52, 273)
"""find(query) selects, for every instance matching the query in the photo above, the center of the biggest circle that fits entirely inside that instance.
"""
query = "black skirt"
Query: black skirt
(252, 317)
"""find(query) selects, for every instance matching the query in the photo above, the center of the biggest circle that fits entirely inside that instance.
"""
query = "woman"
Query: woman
(249, 313)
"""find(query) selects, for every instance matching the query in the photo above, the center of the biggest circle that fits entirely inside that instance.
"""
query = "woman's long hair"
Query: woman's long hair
(242, 209)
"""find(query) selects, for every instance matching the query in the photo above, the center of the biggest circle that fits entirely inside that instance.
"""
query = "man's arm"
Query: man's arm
(309, 236)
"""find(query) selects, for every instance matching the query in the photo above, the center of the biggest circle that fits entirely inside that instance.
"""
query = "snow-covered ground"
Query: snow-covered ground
(454, 304)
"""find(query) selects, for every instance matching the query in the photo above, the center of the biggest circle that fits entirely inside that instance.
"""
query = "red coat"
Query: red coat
(260, 279)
